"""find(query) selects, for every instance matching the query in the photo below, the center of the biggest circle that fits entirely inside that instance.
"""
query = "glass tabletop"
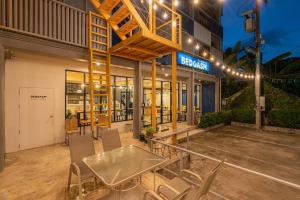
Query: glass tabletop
(122, 164)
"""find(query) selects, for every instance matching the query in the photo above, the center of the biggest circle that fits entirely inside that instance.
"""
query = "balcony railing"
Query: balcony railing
(48, 19)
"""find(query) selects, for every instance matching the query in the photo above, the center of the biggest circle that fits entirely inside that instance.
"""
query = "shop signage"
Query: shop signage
(193, 62)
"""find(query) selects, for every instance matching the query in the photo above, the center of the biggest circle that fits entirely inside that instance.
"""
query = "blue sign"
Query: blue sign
(193, 62)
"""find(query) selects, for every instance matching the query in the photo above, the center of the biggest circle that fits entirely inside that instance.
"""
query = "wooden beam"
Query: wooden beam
(153, 104)
(143, 50)
(126, 42)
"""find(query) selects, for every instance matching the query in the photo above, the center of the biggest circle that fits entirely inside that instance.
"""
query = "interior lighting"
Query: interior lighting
(166, 75)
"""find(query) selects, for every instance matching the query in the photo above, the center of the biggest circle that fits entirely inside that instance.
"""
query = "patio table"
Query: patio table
(122, 164)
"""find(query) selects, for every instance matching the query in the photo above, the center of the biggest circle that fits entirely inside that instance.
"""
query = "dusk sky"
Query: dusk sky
(280, 25)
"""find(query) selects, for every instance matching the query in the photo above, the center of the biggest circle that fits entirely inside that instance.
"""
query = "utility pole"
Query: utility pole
(258, 66)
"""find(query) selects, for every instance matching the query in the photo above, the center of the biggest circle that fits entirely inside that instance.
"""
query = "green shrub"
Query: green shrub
(243, 115)
(211, 119)
(289, 118)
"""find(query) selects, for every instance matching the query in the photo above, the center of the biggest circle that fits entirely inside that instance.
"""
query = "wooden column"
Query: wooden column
(153, 104)
(2, 121)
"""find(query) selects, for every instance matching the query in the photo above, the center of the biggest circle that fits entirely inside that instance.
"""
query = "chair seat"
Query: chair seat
(179, 186)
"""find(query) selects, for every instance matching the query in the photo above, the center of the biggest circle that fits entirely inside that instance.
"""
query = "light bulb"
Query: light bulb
(161, 1)
(176, 3)
(165, 15)
(217, 63)
(196, 1)
(154, 6)
(204, 54)
(223, 67)
(190, 40)
(197, 47)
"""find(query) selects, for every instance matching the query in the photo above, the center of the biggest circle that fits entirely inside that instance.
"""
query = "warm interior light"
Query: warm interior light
(166, 75)
(204, 54)
(82, 85)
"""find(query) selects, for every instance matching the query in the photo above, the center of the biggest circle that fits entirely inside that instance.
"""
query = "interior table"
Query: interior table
(123, 164)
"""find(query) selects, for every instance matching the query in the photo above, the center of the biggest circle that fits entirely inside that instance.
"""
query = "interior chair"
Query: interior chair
(110, 139)
(71, 127)
(181, 188)
(80, 146)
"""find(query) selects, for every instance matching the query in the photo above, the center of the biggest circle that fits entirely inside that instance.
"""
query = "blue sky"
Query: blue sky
(280, 25)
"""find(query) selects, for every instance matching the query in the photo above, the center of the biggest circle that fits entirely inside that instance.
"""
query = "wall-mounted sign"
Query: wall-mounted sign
(38, 97)
(193, 62)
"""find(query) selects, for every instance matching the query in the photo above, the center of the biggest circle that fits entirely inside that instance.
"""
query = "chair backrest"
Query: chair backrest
(81, 146)
(71, 124)
(110, 139)
(208, 182)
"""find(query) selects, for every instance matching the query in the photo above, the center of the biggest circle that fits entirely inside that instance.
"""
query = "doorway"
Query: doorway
(36, 115)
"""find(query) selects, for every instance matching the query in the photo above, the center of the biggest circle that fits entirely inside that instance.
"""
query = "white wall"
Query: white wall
(202, 34)
(32, 70)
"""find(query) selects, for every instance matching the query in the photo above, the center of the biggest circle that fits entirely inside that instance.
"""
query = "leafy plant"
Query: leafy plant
(284, 118)
(243, 115)
(149, 132)
(69, 114)
(211, 119)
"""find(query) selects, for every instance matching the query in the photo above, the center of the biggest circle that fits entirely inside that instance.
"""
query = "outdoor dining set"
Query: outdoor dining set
(121, 168)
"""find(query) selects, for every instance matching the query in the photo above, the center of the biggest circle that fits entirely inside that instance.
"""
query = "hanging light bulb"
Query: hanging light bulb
(154, 6)
(166, 75)
(176, 3)
(196, 1)
(217, 63)
(223, 67)
(197, 46)
(233, 72)
(150, 1)
(228, 69)
(161, 1)
(165, 15)
(190, 40)
(204, 54)
(142, 1)
(237, 73)
(212, 58)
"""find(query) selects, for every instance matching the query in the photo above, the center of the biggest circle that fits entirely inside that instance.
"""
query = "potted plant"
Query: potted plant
(149, 134)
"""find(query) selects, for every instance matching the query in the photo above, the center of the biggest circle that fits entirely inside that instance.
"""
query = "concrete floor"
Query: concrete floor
(271, 153)
(42, 173)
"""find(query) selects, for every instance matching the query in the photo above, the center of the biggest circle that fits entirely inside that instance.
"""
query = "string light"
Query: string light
(228, 69)
(176, 3)
(190, 40)
(161, 1)
(217, 63)
(212, 58)
(223, 67)
(204, 54)
(165, 15)
(196, 1)
(154, 6)
(197, 47)
(233, 72)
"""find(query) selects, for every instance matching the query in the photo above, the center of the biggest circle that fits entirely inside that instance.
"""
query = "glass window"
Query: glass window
(75, 89)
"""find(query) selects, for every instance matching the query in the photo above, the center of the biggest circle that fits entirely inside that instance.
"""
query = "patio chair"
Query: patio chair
(71, 127)
(180, 187)
(110, 139)
(80, 146)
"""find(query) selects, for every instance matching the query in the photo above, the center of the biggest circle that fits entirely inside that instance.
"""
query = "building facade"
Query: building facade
(43, 65)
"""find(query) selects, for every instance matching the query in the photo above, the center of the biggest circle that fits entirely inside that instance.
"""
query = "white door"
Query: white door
(36, 117)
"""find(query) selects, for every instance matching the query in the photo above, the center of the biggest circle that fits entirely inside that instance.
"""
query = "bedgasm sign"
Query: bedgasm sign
(193, 62)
